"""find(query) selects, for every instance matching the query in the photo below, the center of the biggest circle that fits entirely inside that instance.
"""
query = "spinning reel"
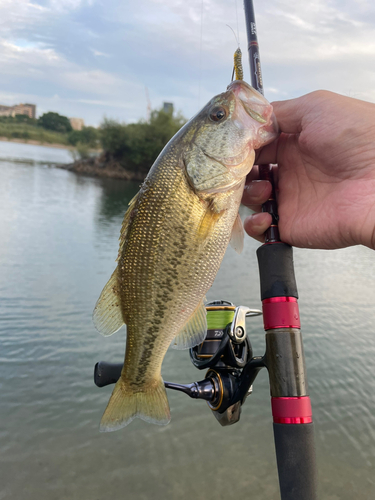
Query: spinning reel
(227, 355)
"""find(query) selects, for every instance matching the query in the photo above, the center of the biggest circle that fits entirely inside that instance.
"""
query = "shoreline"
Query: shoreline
(37, 143)
(103, 166)
(98, 166)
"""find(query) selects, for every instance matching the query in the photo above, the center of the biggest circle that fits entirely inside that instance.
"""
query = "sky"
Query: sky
(96, 58)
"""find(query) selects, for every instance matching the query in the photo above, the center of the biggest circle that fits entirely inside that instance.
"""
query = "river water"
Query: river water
(58, 245)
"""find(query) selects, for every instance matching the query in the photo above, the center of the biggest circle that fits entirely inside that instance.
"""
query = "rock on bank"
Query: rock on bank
(103, 165)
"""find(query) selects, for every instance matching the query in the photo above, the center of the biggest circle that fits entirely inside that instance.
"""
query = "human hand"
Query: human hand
(325, 173)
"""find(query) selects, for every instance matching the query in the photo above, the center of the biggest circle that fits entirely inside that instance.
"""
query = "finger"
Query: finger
(257, 224)
(268, 154)
(256, 193)
(290, 113)
(253, 174)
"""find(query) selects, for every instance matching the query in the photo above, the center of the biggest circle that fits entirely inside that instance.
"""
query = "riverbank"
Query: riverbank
(37, 143)
(103, 166)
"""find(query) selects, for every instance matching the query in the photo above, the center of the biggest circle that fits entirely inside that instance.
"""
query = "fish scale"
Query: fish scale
(172, 282)
(172, 242)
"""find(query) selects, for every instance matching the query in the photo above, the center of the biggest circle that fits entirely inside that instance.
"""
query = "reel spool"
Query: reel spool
(226, 345)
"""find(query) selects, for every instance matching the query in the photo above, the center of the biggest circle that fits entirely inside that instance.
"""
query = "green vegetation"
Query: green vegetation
(49, 128)
(56, 122)
(28, 130)
(90, 136)
(136, 146)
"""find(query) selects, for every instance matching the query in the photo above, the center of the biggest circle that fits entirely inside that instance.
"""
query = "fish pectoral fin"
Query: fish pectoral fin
(194, 332)
(208, 221)
(237, 237)
(149, 403)
(107, 315)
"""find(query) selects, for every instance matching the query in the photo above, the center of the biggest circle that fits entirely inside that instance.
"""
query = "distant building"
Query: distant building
(18, 109)
(168, 107)
(77, 123)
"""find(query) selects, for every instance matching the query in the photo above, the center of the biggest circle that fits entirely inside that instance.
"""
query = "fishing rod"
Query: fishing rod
(291, 407)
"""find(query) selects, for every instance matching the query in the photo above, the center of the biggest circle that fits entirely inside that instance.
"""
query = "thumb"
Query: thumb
(289, 114)
(292, 114)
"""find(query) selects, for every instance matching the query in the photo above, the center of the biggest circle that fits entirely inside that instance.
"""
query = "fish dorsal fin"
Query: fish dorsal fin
(195, 330)
(107, 315)
(129, 214)
(237, 237)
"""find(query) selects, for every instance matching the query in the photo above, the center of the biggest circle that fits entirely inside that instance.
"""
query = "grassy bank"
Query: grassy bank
(28, 132)
(38, 143)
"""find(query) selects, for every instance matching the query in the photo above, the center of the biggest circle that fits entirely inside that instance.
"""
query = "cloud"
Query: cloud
(97, 53)
(38, 62)
(99, 56)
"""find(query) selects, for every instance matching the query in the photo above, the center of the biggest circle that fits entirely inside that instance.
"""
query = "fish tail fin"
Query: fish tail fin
(150, 404)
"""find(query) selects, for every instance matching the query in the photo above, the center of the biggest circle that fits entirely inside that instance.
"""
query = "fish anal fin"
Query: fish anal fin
(107, 315)
(149, 403)
(237, 238)
(194, 332)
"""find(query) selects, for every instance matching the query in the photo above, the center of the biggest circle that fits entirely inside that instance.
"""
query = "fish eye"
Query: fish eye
(218, 113)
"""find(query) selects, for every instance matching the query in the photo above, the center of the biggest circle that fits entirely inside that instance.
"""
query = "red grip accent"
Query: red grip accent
(280, 312)
(291, 410)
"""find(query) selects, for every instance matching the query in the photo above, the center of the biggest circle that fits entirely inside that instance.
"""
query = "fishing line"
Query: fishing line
(237, 68)
(238, 30)
(200, 58)
(217, 318)
(235, 36)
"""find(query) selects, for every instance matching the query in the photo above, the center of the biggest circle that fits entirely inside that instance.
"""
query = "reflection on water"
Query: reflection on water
(116, 195)
(28, 154)
(59, 240)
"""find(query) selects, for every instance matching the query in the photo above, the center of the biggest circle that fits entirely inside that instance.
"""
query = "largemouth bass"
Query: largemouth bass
(173, 239)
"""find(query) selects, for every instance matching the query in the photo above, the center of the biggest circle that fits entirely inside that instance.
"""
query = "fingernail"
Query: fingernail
(250, 187)
(258, 220)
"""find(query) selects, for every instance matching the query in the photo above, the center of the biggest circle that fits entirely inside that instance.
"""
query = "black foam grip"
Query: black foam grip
(295, 452)
(276, 271)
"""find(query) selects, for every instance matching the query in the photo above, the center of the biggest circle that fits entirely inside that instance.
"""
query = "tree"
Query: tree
(88, 135)
(137, 145)
(114, 138)
(54, 121)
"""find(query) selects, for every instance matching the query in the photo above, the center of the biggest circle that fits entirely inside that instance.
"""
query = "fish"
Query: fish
(172, 241)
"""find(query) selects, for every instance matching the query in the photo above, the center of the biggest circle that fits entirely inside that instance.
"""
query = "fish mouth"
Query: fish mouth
(258, 112)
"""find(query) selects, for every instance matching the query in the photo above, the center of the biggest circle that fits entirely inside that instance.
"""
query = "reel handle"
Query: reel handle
(109, 373)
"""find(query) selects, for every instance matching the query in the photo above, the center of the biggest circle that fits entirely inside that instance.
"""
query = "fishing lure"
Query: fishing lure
(238, 69)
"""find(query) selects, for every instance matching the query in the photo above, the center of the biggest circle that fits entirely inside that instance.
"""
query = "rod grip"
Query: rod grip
(276, 271)
(295, 453)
